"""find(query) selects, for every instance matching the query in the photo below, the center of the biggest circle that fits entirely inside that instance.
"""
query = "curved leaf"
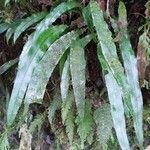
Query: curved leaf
(117, 110)
(115, 99)
(11, 30)
(29, 21)
(7, 65)
(30, 57)
(65, 78)
(42, 73)
(110, 54)
(77, 66)
(132, 76)
(4, 27)
(53, 15)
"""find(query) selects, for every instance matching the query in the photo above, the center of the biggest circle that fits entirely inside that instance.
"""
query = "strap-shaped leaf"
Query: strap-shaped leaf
(26, 23)
(65, 78)
(88, 20)
(11, 30)
(7, 65)
(53, 15)
(4, 27)
(30, 57)
(110, 54)
(130, 64)
(115, 99)
(46, 66)
(103, 119)
(117, 110)
(77, 66)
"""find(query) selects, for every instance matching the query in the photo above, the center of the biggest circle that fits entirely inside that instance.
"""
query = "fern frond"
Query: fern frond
(132, 76)
(103, 119)
(27, 22)
(115, 99)
(65, 79)
(53, 15)
(70, 125)
(110, 54)
(7, 65)
(26, 58)
(11, 30)
(42, 73)
(37, 123)
(77, 67)
(85, 124)
(66, 105)
(30, 57)
(54, 105)
(4, 27)
(4, 143)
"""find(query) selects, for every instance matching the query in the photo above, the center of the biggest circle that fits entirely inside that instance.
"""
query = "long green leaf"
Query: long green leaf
(115, 99)
(31, 55)
(4, 27)
(110, 54)
(53, 15)
(11, 30)
(42, 73)
(130, 64)
(77, 66)
(7, 65)
(29, 21)
(65, 78)
(117, 110)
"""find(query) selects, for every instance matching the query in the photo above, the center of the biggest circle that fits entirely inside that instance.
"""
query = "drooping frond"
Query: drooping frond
(27, 22)
(77, 67)
(132, 75)
(30, 57)
(85, 124)
(103, 119)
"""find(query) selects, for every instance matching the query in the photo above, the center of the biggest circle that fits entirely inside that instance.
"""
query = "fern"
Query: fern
(29, 58)
(70, 125)
(11, 30)
(66, 106)
(7, 65)
(55, 105)
(65, 78)
(37, 123)
(132, 75)
(42, 73)
(103, 119)
(110, 54)
(77, 67)
(27, 22)
(4, 27)
(4, 144)
(85, 124)
(115, 73)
